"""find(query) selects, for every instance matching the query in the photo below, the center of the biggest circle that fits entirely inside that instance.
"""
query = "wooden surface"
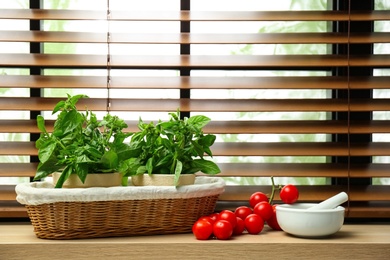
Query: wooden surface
(17, 241)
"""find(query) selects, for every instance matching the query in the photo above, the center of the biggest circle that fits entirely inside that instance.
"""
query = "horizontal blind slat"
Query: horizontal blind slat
(12, 209)
(253, 149)
(116, 15)
(239, 127)
(192, 38)
(239, 105)
(195, 61)
(380, 170)
(185, 82)
(204, 105)
(17, 148)
(15, 169)
(298, 126)
(170, 61)
(7, 193)
(313, 193)
(372, 209)
(251, 170)
(280, 149)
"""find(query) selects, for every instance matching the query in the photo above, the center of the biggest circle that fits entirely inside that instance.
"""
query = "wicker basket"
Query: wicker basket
(156, 215)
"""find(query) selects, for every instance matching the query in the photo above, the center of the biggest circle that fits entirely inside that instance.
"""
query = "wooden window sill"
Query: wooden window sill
(369, 241)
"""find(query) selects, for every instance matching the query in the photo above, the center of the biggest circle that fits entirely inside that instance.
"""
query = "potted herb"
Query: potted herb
(175, 147)
(81, 145)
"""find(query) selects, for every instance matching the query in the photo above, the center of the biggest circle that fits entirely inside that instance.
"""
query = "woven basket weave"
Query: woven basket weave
(130, 217)
(70, 220)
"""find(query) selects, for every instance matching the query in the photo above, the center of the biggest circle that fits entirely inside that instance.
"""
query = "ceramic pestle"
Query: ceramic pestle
(332, 202)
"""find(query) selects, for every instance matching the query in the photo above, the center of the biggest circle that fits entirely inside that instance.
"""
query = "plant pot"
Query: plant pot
(162, 180)
(92, 180)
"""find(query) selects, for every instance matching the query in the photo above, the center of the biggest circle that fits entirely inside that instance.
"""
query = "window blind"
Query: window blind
(338, 140)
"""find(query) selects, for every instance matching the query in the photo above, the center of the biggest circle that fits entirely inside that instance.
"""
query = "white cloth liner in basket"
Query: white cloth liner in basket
(37, 193)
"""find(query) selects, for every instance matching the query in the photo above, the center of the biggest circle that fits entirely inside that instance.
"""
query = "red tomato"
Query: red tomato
(207, 218)
(243, 211)
(254, 224)
(214, 216)
(273, 221)
(240, 227)
(229, 216)
(202, 229)
(256, 198)
(222, 229)
(264, 210)
(289, 194)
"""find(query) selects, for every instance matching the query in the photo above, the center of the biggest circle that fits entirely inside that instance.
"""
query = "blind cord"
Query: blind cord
(108, 83)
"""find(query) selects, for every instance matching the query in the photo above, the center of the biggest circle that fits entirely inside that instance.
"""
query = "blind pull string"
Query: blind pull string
(108, 83)
(349, 100)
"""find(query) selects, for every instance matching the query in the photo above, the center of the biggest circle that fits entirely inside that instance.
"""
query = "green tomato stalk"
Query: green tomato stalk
(274, 188)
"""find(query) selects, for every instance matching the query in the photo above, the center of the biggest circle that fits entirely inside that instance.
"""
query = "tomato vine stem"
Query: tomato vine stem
(271, 198)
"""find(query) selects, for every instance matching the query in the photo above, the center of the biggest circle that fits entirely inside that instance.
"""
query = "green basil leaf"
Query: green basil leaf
(125, 151)
(41, 124)
(207, 140)
(206, 166)
(149, 165)
(141, 170)
(83, 159)
(165, 161)
(47, 168)
(64, 176)
(71, 121)
(208, 151)
(81, 169)
(92, 151)
(130, 167)
(74, 99)
(60, 105)
(178, 170)
(198, 148)
(167, 126)
(47, 151)
(198, 121)
(110, 160)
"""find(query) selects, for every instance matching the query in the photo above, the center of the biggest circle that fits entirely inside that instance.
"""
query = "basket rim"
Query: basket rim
(36, 193)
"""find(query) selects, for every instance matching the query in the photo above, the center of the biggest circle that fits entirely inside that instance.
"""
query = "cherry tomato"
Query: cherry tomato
(254, 224)
(273, 221)
(289, 194)
(214, 216)
(264, 210)
(222, 229)
(256, 198)
(202, 229)
(207, 218)
(229, 216)
(243, 211)
(239, 228)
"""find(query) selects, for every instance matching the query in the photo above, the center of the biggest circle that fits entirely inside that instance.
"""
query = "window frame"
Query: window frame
(342, 94)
